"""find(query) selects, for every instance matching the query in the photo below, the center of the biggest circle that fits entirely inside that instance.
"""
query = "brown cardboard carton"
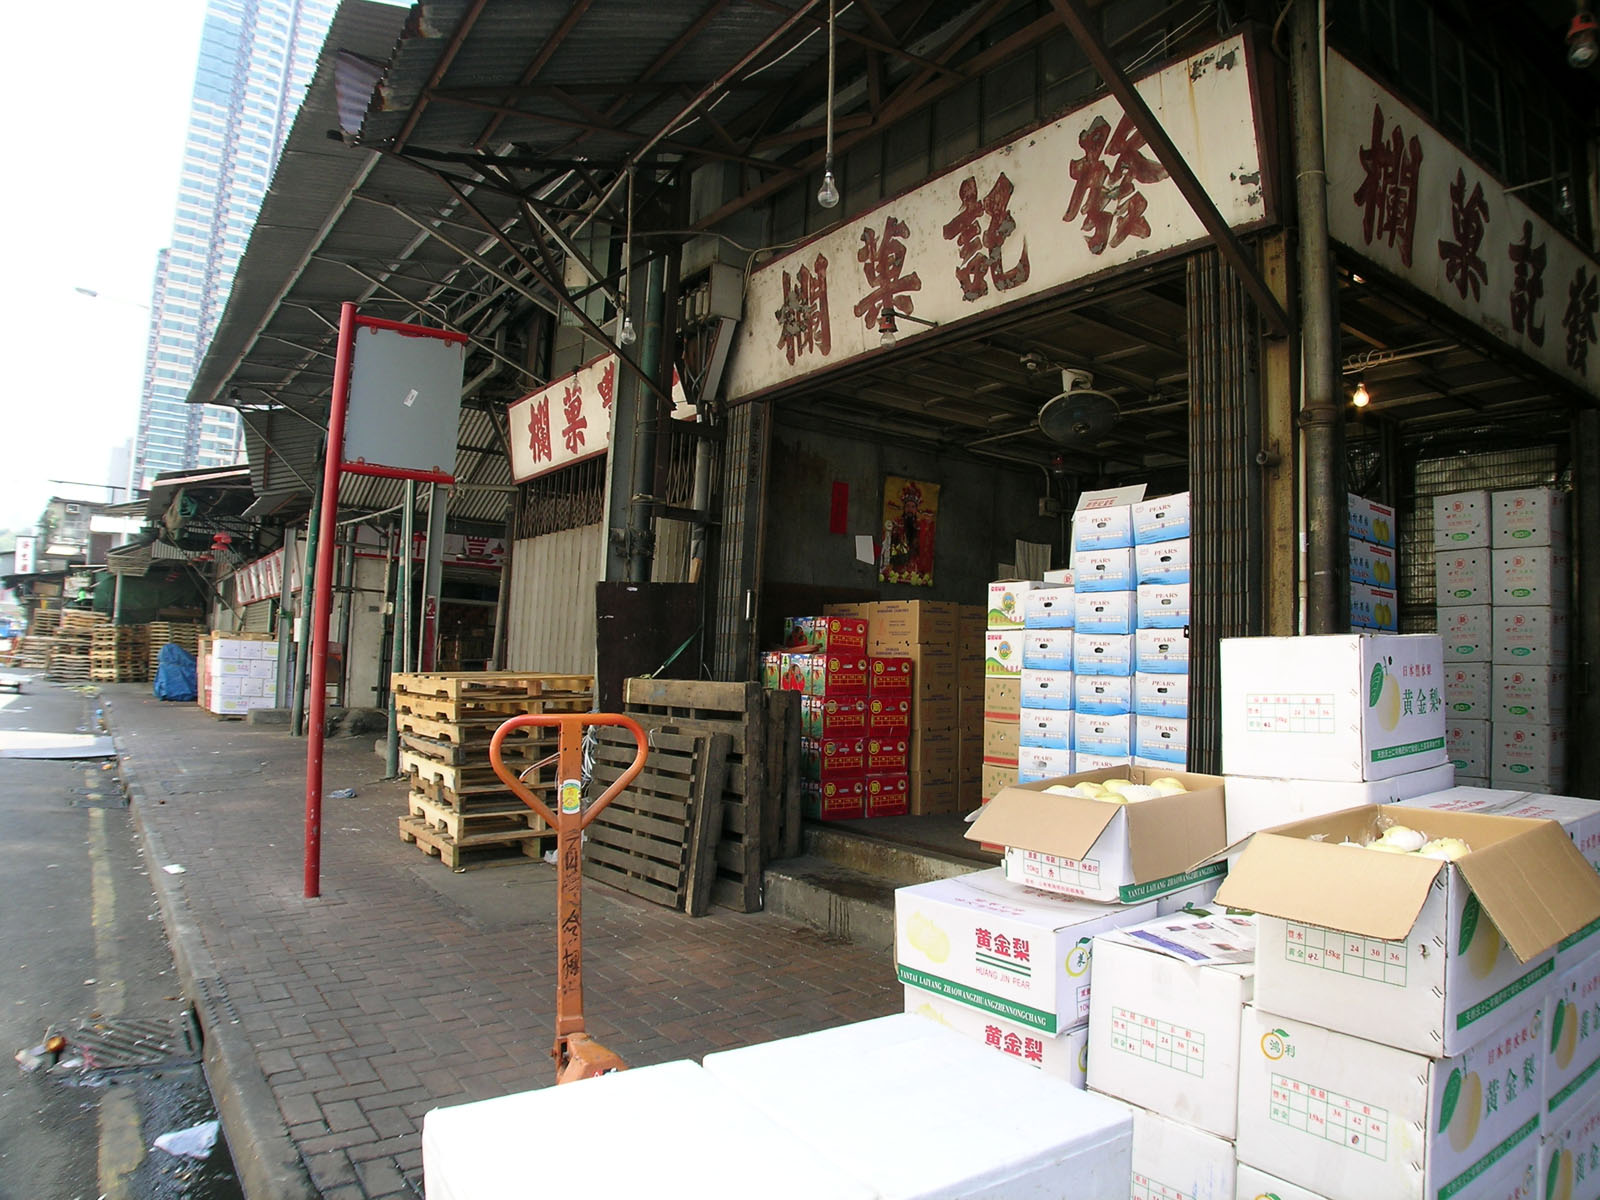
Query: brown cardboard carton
(1002, 697)
(901, 624)
(998, 776)
(1000, 739)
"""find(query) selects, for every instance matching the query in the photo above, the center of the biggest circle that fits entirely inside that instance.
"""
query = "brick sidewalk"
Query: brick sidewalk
(343, 1020)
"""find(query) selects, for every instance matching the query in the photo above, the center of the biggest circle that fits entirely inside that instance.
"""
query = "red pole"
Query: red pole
(316, 708)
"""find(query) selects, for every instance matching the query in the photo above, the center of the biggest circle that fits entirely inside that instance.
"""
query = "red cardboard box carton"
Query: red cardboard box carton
(888, 714)
(833, 716)
(834, 799)
(833, 758)
(890, 675)
(887, 754)
(772, 669)
(888, 795)
(835, 674)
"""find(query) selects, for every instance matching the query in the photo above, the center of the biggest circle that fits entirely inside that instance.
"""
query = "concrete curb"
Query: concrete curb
(269, 1165)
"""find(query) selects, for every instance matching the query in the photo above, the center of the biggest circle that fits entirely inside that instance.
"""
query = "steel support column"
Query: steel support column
(1585, 698)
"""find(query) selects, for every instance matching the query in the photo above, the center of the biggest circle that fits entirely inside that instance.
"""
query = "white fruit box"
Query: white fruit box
(1047, 728)
(1162, 562)
(1163, 519)
(1346, 707)
(1109, 734)
(1164, 1021)
(1035, 763)
(1060, 577)
(1007, 599)
(1104, 612)
(1049, 608)
(1530, 694)
(1161, 695)
(1463, 577)
(1089, 760)
(1372, 522)
(1162, 651)
(1102, 695)
(1403, 949)
(994, 945)
(1461, 521)
(1569, 1158)
(1102, 570)
(1358, 1120)
(1255, 1184)
(1161, 740)
(1468, 632)
(1530, 517)
(1106, 528)
(1003, 651)
(1528, 756)
(1105, 851)
(1172, 1160)
(926, 1113)
(1467, 744)
(1536, 636)
(1372, 565)
(1063, 1055)
(1536, 575)
(1103, 653)
(1046, 689)
(1163, 606)
(1466, 689)
(1571, 1050)
(1045, 649)
(1255, 803)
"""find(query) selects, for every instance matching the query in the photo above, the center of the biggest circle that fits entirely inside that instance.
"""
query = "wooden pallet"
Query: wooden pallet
(475, 850)
(518, 752)
(657, 839)
(502, 816)
(493, 685)
(461, 778)
(491, 712)
(464, 797)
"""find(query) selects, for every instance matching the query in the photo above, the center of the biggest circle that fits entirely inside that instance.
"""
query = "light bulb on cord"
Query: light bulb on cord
(627, 336)
(1362, 397)
(1583, 44)
(828, 193)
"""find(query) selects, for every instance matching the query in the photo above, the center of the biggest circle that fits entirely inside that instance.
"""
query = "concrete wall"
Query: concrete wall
(365, 636)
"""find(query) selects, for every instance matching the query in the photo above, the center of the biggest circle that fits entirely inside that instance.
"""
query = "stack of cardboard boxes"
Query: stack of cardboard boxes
(1003, 648)
(1374, 572)
(825, 659)
(1502, 576)
(241, 674)
(1044, 693)
(1161, 679)
(1105, 618)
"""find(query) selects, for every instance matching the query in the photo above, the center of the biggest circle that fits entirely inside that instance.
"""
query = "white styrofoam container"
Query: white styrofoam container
(1064, 1055)
(1532, 695)
(1537, 636)
(1529, 575)
(1529, 517)
(1461, 521)
(1467, 689)
(1463, 577)
(1528, 756)
(1468, 632)
(1467, 744)
(1254, 803)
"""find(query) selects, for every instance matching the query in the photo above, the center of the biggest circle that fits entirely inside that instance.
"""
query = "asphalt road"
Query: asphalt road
(83, 952)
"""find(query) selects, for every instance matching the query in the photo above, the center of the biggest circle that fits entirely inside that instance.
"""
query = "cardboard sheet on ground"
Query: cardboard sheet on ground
(26, 743)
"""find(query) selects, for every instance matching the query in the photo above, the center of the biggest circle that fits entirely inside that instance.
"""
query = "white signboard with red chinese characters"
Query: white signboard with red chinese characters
(263, 578)
(459, 550)
(1401, 195)
(564, 423)
(26, 562)
(1056, 206)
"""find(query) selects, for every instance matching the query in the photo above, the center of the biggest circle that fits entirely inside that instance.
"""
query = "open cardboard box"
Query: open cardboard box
(1409, 951)
(1097, 850)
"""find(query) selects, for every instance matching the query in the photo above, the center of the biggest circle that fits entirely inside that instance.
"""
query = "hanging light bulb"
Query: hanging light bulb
(628, 336)
(828, 193)
(887, 327)
(1583, 44)
(1362, 397)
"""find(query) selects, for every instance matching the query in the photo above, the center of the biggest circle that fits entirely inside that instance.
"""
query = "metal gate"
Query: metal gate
(550, 619)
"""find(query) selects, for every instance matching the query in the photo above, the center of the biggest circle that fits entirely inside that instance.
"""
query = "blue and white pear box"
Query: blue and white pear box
(1039, 762)
(1103, 570)
(1094, 733)
(1102, 528)
(1046, 728)
(1046, 649)
(1162, 562)
(1162, 606)
(1102, 653)
(1105, 612)
(1161, 651)
(1046, 689)
(1163, 519)
(1102, 695)
(1049, 608)
(1161, 739)
(1160, 695)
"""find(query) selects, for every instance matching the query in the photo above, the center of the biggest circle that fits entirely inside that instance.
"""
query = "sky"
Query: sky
(96, 94)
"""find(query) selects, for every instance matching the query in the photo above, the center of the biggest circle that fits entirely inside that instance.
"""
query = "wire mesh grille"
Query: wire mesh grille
(570, 498)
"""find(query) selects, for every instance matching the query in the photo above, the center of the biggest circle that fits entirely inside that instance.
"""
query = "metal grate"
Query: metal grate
(121, 1043)
(570, 498)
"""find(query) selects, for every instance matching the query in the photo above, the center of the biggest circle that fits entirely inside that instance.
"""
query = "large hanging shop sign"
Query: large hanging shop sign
(263, 578)
(564, 423)
(1067, 201)
(1410, 201)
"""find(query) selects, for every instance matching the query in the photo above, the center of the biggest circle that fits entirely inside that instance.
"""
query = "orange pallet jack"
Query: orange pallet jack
(577, 1055)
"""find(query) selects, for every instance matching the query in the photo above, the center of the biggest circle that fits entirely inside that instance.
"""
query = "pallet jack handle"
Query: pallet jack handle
(577, 1055)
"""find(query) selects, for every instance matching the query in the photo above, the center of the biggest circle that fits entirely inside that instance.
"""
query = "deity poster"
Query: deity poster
(910, 520)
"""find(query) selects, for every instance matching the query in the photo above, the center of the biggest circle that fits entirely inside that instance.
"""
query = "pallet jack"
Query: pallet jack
(577, 1055)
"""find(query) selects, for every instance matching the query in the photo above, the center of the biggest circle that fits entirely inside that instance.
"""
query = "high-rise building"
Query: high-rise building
(256, 59)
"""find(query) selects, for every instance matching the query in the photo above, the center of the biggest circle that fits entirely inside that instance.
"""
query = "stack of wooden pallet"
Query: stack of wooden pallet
(33, 648)
(69, 657)
(185, 633)
(459, 809)
(119, 654)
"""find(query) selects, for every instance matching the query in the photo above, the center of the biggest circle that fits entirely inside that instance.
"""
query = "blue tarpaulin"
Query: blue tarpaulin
(175, 675)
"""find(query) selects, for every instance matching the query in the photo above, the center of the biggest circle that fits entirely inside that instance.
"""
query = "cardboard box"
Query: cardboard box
(1174, 1159)
(833, 674)
(825, 634)
(1164, 1026)
(1161, 651)
(1103, 571)
(1466, 689)
(1103, 653)
(853, 608)
(1374, 608)
(1253, 1183)
(1162, 519)
(934, 796)
(1046, 728)
(1467, 744)
(1163, 606)
(1569, 1155)
(1530, 517)
(1373, 565)
(892, 675)
(887, 755)
(1528, 756)
(833, 758)
(1532, 575)
(1062, 1055)
(1086, 761)
(833, 716)
(1463, 577)
(1007, 602)
(1373, 522)
(772, 669)
(936, 716)
(1532, 636)
(1359, 1120)
(1461, 521)
(1050, 608)
(1047, 649)
(1255, 803)
(1467, 632)
(1533, 695)
(1161, 740)
(997, 776)
(898, 627)
(1046, 689)
(1001, 948)
(1103, 528)
(1102, 695)
(834, 799)
(1002, 653)
(1403, 949)
(1110, 735)
(1162, 562)
(1098, 851)
(1001, 739)
(885, 714)
(1104, 612)
(1161, 695)
(1570, 1053)
(1002, 696)
(1038, 763)
(888, 795)
(1060, 577)
(1345, 708)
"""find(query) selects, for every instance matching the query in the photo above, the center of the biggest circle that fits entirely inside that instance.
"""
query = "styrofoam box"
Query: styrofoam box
(1571, 1050)
(1046, 649)
(1252, 1183)
(1164, 1021)
(1332, 707)
(1372, 522)
(1537, 636)
(1103, 653)
(1358, 1120)
(1035, 763)
(1529, 517)
(1099, 762)
(1162, 562)
(1372, 565)
(1467, 744)
(1102, 695)
(1046, 689)
(480, 1151)
(1103, 571)
(1561, 1152)
(1060, 577)
(1530, 694)
(1161, 695)
(959, 939)
(1163, 606)
(1003, 650)
(1468, 632)
(944, 1117)
(1254, 804)
(1047, 728)
(1532, 575)
(221, 668)
(1466, 689)
(1049, 608)
(1101, 528)
(1064, 1055)
(1461, 521)
(1163, 519)
(1463, 577)
(1374, 608)
(1528, 756)
(1173, 1159)
(1007, 602)
(1107, 736)
(1161, 740)
(1162, 651)
(1104, 612)
(264, 668)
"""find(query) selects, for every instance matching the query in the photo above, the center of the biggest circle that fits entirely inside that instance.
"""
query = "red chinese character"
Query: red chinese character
(476, 546)
(1033, 1049)
(1012, 1044)
(1002, 946)
(980, 252)
(1527, 284)
(572, 410)
(608, 384)
(882, 262)
(991, 1035)
(1583, 300)
(1108, 195)
(803, 317)
(1019, 949)
(539, 429)
(983, 939)
(1389, 192)
(1462, 266)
